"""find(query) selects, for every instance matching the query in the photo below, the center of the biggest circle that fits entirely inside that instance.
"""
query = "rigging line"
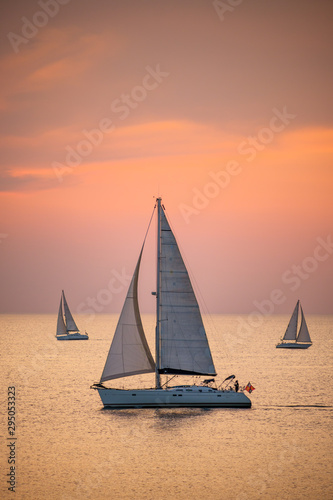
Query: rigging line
(151, 218)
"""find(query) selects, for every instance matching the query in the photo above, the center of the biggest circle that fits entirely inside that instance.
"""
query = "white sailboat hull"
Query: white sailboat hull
(174, 397)
(73, 336)
(294, 345)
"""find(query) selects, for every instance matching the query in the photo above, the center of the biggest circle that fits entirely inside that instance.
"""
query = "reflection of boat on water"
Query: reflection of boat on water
(160, 415)
(292, 339)
(66, 326)
(181, 343)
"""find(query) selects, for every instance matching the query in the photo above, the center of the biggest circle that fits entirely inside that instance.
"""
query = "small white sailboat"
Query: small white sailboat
(292, 339)
(180, 340)
(66, 326)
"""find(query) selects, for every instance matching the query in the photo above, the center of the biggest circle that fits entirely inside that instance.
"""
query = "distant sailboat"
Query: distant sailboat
(291, 339)
(66, 326)
(180, 340)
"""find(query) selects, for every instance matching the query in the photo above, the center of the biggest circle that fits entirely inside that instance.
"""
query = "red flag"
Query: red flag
(249, 387)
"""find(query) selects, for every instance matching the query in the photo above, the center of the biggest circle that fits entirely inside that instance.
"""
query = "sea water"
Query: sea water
(66, 446)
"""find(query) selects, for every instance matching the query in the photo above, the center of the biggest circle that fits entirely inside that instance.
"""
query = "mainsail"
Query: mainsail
(183, 342)
(70, 323)
(129, 353)
(303, 334)
(291, 331)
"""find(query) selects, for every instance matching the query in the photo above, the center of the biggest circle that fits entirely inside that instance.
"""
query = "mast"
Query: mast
(157, 331)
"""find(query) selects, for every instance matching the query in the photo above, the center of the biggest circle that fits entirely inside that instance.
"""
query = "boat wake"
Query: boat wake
(293, 406)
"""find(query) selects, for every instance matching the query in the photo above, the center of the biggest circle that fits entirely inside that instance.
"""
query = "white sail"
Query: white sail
(70, 323)
(183, 342)
(61, 327)
(129, 353)
(303, 334)
(291, 331)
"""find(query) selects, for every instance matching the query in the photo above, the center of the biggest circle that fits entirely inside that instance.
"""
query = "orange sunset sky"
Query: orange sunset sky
(223, 109)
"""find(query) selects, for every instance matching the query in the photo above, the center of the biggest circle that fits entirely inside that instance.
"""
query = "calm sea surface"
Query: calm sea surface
(68, 447)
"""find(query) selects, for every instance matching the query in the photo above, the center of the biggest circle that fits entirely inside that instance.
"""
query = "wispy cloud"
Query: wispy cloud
(11, 182)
